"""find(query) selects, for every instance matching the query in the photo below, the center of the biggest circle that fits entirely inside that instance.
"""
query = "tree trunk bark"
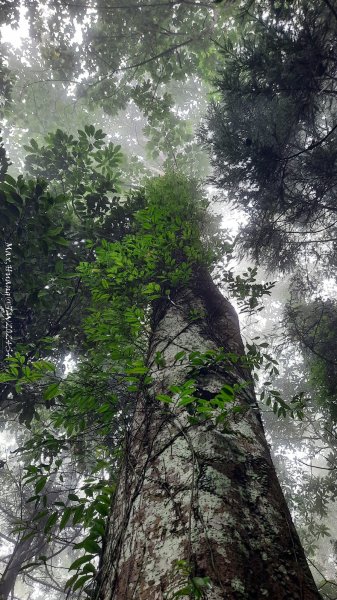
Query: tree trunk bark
(200, 493)
(24, 551)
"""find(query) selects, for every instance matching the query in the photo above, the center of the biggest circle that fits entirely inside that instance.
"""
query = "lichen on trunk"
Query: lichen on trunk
(199, 503)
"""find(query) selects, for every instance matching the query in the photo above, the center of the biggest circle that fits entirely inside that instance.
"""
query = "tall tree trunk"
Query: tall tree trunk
(200, 493)
(24, 551)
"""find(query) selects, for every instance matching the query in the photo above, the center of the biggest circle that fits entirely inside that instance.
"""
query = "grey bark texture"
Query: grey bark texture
(195, 492)
(25, 550)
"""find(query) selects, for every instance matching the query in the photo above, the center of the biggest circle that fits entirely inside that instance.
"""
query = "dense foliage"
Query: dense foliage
(82, 419)
(272, 132)
(89, 411)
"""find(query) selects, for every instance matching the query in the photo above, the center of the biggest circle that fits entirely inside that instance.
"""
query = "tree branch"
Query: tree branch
(311, 146)
(142, 62)
(7, 538)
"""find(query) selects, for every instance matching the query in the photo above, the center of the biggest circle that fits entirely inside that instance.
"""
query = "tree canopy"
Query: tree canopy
(272, 131)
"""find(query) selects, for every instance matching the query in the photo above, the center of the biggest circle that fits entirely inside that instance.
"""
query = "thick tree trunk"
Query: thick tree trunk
(199, 493)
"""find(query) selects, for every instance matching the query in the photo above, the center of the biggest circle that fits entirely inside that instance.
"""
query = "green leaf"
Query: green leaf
(70, 581)
(185, 400)
(54, 231)
(73, 497)
(80, 561)
(164, 398)
(137, 371)
(6, 377)
(78, 514)
(10, 180)
(51, 391)
(32, 498)
(28, 536)
(51, 522)
(89, 568)
(65, 517)
(81, 581)
(40, 484)
(61, 241)
(34, 145)
(41, 514)
(91, 545)
(102, 509)
(28, 565)
(201, 582)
